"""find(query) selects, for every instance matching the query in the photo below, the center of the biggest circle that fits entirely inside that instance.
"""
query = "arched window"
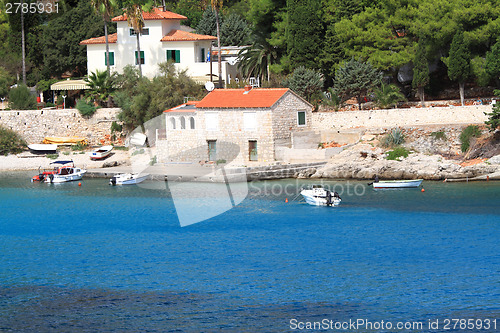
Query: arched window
(183, 122)
(191, 122)
(172, 123)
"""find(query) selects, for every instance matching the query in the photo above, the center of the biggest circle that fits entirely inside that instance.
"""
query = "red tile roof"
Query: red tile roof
(186, 107)
(237, 98)
(100, 40)
(179, 35)
(156, 14)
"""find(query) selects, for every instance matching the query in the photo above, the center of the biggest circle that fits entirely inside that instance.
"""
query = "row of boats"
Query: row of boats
(65, 171)
(98, 153)
(317, 195)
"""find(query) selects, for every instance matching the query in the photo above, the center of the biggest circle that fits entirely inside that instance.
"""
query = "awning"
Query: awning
(69, 85)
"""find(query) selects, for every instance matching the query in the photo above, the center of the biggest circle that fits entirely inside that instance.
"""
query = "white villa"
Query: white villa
(162, 39)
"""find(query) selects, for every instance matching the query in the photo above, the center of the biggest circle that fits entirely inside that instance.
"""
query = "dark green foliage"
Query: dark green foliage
(61, 38)
(10, 142)
(234, 30)
(493, 118)
(459, 59)
(87, 109)
(303, 34)
(142, 99)
(420, 70)
(492, 66)
(356, 79)
(440, 135)
(397, 153)
(388, 95)
(471, 131)
(207, 24)
(305, 82)
(6, 80)
(21, 99)
(394, 138)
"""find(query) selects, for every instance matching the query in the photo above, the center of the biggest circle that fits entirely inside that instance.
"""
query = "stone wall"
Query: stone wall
(34, 125)
(400, 117)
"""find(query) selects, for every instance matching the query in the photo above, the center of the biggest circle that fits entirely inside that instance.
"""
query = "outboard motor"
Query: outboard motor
(328, 198)
(51, 176)
(112, 181)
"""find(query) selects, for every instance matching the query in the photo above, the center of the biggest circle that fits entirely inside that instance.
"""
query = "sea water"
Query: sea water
(100, 258)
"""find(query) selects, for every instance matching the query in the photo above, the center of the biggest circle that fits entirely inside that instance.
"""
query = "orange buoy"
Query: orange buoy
(422, 190)
(286, 199)
(80, 184)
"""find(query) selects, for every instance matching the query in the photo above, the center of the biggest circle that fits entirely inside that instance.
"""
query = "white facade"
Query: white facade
(191, 49)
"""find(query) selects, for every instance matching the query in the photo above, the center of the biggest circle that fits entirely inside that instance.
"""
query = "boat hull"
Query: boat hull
(43, 148)
(77, 174)
(127, 179)
(397, 183)
(100, 153)
(317, 200)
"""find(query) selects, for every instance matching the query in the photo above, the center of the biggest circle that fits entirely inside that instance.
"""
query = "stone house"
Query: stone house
(242, 125)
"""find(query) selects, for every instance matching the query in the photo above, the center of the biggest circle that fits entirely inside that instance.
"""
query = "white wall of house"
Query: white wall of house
(191, 58)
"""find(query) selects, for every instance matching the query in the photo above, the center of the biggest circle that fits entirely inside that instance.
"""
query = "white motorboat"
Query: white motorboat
(64, 171)
(100, 152)
(128, 179)
(41, 148)
(317, 195)
(397, 183)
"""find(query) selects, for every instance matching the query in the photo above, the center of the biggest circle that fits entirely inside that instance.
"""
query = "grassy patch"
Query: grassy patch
(394, 138)
(52, 156)
(397, 153)
(138, 152)
(439, 135)
(471, 131)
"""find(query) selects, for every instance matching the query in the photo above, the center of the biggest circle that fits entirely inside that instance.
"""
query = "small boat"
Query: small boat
(65, 140)
(41, 148)
(64, 171)
(100, 152)
(317, 195)
(128, 179)
(397, 183)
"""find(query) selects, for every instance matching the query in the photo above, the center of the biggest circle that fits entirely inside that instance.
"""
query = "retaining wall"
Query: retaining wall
(34, 125)
(400, 117)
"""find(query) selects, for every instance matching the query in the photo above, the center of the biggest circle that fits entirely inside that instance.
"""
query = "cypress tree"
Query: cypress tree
(420, 71)
(459, 62)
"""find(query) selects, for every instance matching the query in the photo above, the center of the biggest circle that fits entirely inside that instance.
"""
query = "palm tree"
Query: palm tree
(256, 59)
(136, 21)
(105, 7)
(216, 6)
(101, 86)
(388, 95)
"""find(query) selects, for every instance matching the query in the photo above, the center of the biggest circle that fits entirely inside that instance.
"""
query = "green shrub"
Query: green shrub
(52, 156)
(471, 131)
(86, 109)
(79, 146)
(20, 98)
(394, 138)
(115, 127)
(220, 162)
(439, 135)
(10, 142)
(493, 117)
(397, 153)
(138, 152)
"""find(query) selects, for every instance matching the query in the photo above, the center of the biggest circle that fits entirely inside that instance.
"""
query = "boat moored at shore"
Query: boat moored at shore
(317, 195)
(397, 183)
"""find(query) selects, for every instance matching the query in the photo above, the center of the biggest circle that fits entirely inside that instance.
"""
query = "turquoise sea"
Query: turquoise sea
(97, 258)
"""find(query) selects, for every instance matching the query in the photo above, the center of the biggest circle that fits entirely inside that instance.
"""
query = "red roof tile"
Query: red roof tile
(238, 98)
(156, 14)
(186, 107)
(100, 40)
(180, 35)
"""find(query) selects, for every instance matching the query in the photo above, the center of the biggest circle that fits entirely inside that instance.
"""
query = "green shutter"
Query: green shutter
(169, 55)
(177, 56)
(302, 118)
(111, 59)
(142, 58)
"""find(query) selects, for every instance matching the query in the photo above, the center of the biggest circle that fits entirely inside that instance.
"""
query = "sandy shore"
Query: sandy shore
(27, 161)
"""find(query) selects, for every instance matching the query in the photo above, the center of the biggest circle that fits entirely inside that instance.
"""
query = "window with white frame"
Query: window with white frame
(191, 122)
(250, 121)
(212, 121)
(301, 118)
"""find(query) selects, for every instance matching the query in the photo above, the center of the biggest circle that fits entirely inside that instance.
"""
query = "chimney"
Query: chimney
(247, 89)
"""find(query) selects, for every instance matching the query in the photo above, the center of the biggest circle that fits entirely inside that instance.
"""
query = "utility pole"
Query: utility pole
(23, 45)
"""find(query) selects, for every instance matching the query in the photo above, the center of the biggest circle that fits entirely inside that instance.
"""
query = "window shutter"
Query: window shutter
(177, 56)
(169, 55)
(112, 58)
